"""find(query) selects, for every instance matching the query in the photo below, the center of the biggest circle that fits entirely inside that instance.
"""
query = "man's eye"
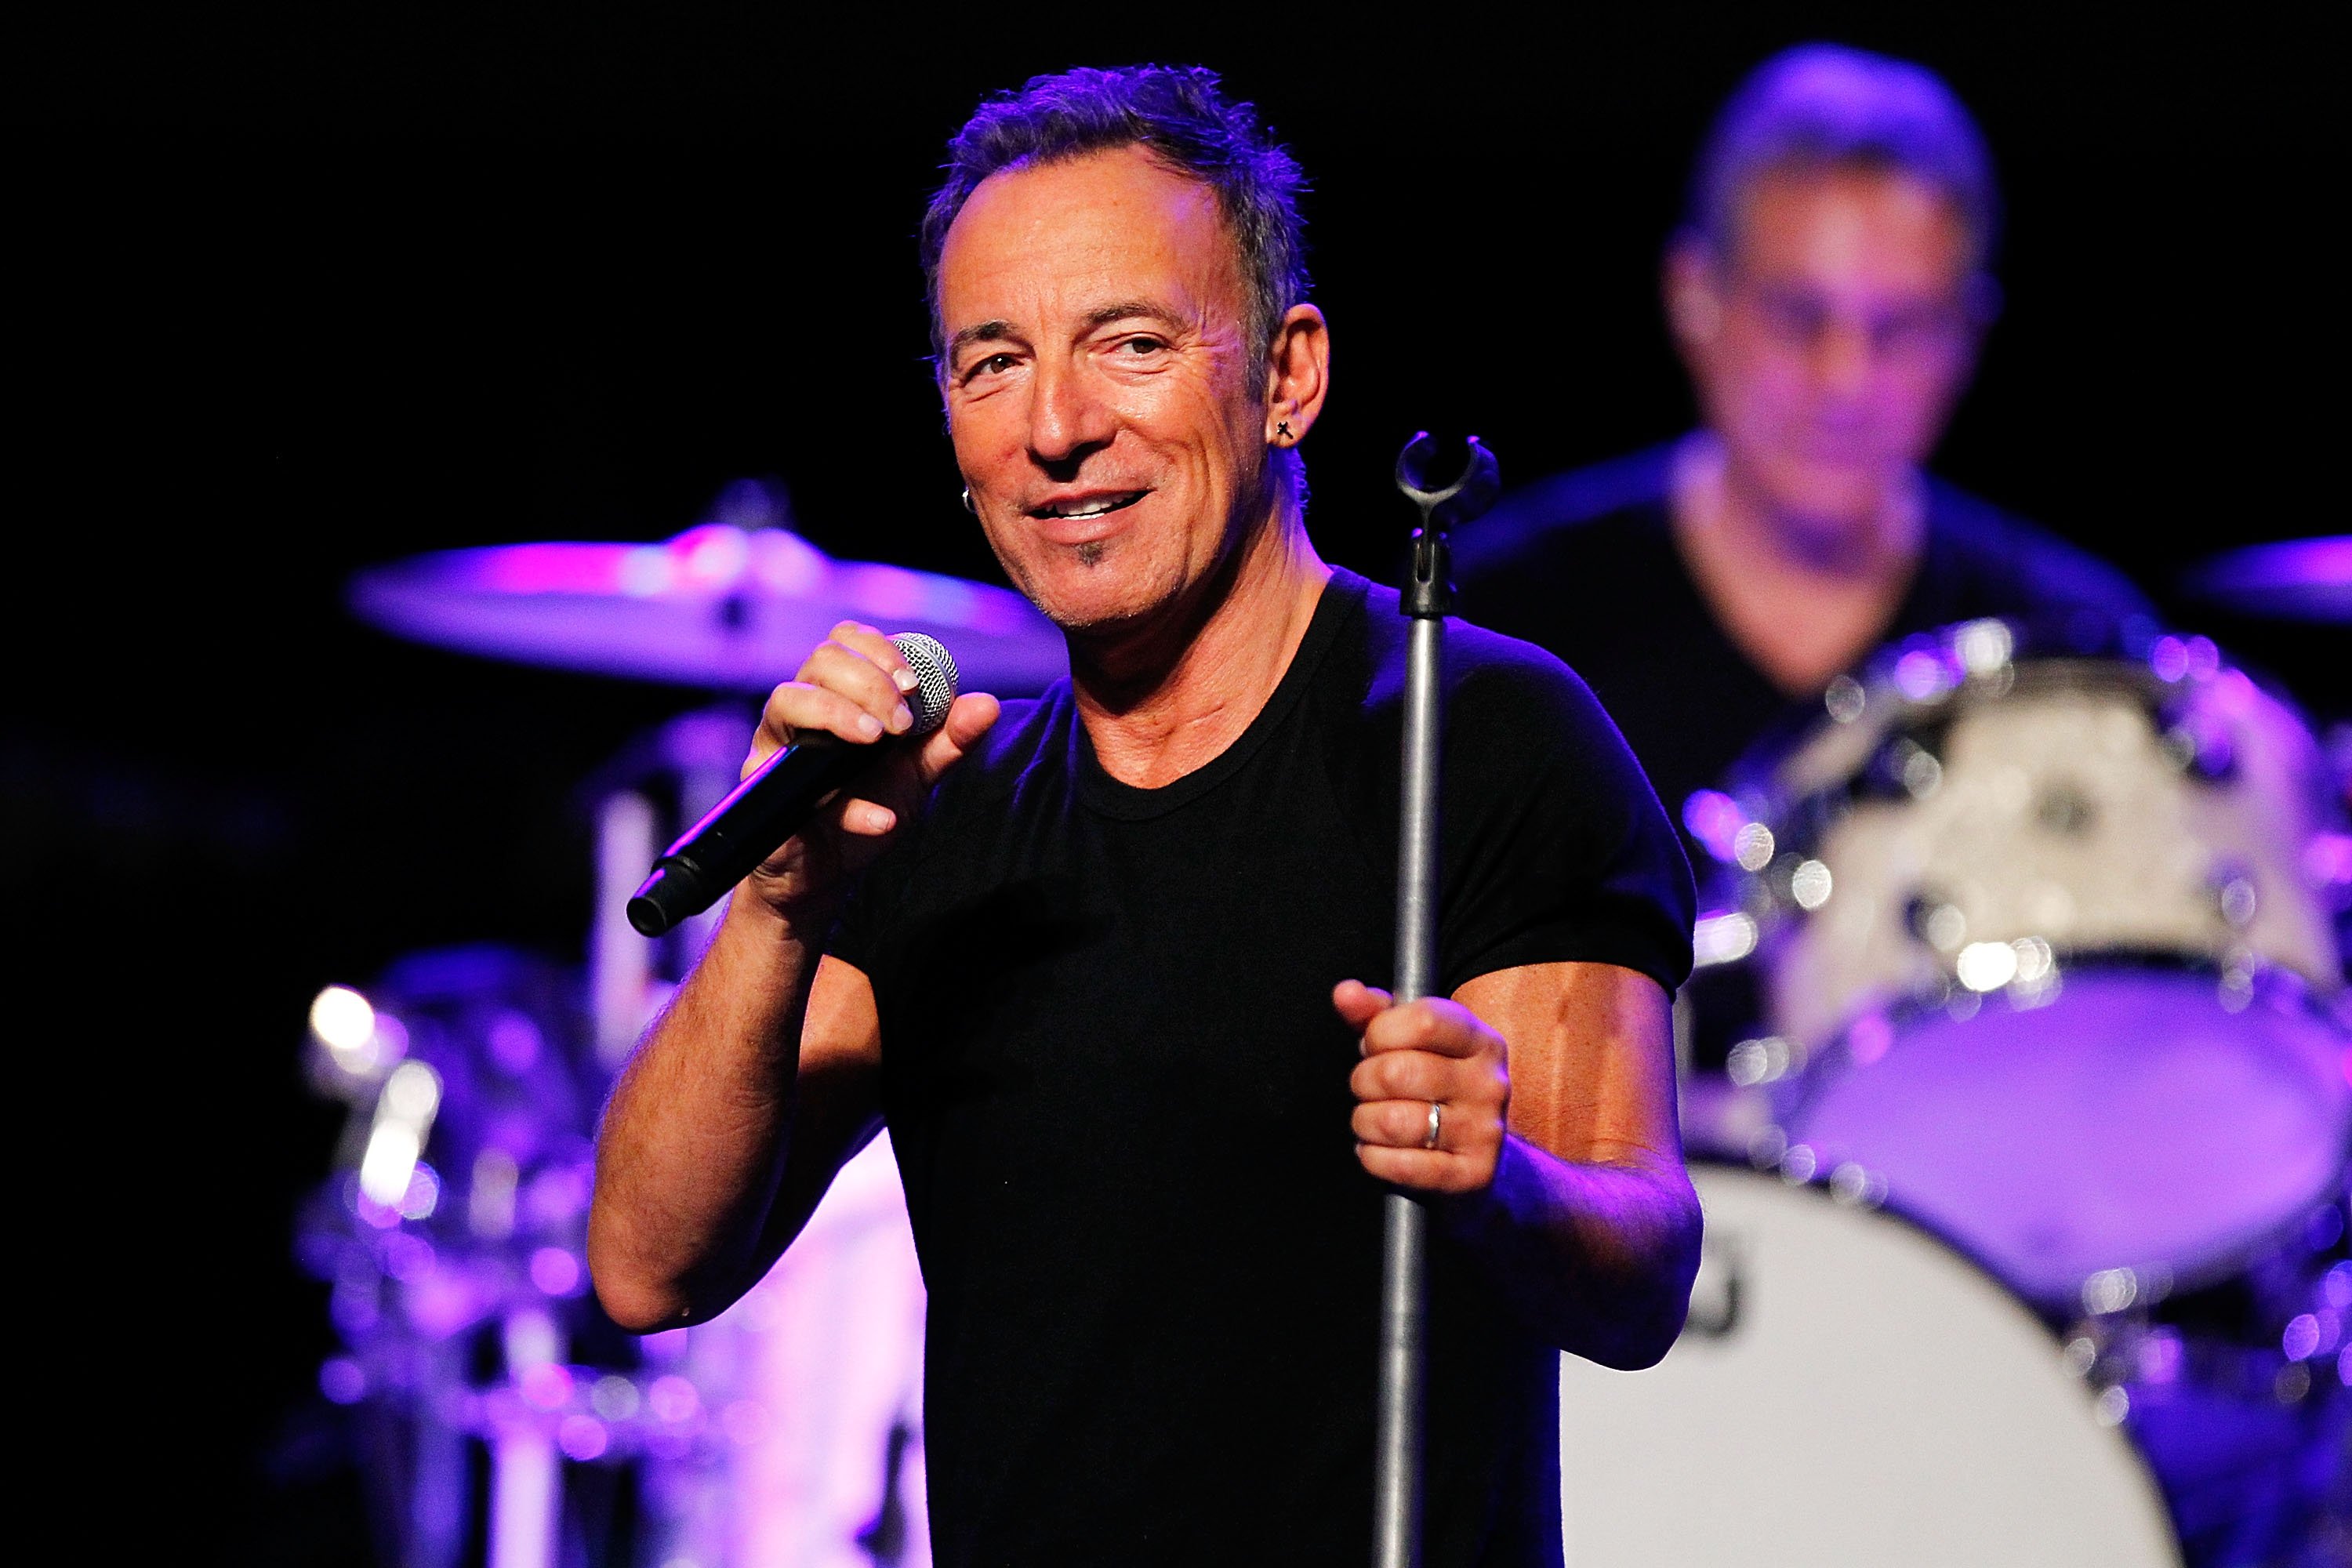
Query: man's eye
(993, 364)
(1144, 345)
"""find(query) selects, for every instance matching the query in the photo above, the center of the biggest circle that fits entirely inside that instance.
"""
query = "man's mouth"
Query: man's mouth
(1089, 507)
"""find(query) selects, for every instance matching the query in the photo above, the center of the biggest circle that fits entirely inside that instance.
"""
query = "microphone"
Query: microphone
(779, 798)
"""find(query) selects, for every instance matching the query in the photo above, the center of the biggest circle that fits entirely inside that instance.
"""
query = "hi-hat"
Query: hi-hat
(721, 606)
(2295, 579)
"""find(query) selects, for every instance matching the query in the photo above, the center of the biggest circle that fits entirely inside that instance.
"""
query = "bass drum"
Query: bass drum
(1848, 1391)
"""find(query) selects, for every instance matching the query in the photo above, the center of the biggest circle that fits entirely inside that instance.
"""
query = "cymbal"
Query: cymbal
(731, 608)
(2295, 579)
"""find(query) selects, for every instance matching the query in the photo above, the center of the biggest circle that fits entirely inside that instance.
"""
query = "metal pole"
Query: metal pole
(1405, 1257)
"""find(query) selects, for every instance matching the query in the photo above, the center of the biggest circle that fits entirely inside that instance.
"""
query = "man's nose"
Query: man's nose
(1067, 417)
(1844, 358)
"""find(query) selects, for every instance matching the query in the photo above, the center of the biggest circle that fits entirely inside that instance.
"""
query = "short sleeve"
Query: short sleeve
(1556, 848)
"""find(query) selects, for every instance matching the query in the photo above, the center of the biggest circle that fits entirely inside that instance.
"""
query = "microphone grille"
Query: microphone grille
(935, 667)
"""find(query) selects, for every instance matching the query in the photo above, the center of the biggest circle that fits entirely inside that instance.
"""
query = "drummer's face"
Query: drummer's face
(1104, 408)
(1829, 345)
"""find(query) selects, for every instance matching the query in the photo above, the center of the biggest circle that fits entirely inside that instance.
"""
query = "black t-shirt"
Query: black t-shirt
(1118, 1098)
(1585, 565)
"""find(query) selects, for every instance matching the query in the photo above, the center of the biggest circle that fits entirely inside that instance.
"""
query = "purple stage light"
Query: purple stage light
(555, 1272)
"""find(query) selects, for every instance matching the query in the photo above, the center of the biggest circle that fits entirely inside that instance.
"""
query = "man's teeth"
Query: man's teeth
(1090, 508)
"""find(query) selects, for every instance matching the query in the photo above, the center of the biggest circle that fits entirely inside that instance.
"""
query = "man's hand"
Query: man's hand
(855, 686)
(1430, 1052)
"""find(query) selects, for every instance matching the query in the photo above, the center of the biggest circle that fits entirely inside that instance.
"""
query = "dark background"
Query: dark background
(296, 294)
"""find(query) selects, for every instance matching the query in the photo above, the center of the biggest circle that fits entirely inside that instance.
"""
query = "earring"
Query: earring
(967, 502)
(1282, 431)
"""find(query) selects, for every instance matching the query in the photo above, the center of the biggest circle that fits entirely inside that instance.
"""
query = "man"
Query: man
(1828, 293)
(1097, 959)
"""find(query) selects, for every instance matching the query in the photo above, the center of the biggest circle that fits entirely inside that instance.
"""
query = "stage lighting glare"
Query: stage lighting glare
(412, 1094)
(2110, 1290)
(1722, 939)
(1984, 646)
(424, 1193)
(673, 1399)
(614, 1397)
(1986, 965)
(546, 1386)
(582, 1438)
(390, 1160)
(345, 1022)
(555, 1272)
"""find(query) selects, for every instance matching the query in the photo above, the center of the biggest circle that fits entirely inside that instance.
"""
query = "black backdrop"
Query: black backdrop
(301, 293)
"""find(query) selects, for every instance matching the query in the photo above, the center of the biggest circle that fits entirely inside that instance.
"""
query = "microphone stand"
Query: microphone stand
(1427, 597)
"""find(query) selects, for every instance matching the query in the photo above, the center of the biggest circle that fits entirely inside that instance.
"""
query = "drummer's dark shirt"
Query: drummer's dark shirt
(1585, 565)
(1118, 1097)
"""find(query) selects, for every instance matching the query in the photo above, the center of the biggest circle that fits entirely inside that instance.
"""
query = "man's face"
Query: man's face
(1830, 346)
(1103, 403)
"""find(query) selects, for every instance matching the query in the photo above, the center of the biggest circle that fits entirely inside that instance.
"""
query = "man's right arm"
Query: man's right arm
(763, 1073)
(758, 1081)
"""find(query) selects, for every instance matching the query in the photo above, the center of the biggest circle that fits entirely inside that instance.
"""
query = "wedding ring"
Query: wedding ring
(1430, 1141)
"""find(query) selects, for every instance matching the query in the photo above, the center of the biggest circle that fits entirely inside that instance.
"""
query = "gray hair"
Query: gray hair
(1181, 116)
(1823, 106)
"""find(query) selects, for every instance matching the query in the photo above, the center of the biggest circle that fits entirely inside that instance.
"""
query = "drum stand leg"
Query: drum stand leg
(526, 1472)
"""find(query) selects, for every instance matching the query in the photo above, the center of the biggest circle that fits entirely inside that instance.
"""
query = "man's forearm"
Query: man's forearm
(695, 1135)
(1597, 1258)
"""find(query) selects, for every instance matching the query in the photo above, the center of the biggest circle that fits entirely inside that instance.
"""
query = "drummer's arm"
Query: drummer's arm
(761, 1077)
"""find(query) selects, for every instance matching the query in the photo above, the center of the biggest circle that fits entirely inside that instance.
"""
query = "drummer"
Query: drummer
(1828, 292)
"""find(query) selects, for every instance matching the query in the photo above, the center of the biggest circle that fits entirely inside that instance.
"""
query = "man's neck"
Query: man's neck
(1800, 601)
(1741, 520)
(1160, 701)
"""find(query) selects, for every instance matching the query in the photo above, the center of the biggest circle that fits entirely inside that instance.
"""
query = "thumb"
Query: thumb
(1358, 1003)
(969, 718)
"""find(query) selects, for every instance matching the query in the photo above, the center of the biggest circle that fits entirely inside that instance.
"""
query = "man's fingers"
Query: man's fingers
(836, 667)
(1358, 1003)
(968, 719)
(797, 708)
(867, 819)
(1433, 1023)
(863, 640)
(1463, 1126)
(1414, 1075)
(1429, 1170)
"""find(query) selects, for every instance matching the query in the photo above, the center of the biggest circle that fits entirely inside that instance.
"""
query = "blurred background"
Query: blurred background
(298, 293)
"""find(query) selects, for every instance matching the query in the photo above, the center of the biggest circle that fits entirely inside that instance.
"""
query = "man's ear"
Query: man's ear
(1297, 374)
(1693, 289)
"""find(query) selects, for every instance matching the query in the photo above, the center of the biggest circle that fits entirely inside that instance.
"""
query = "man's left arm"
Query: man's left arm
(1558, 1159)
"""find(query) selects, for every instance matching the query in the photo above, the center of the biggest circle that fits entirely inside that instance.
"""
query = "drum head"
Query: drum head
(2131, 1121)
(1849, 1392)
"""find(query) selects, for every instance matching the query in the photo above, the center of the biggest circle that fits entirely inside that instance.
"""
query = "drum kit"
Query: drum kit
(2026, 1183)
(2025, 1176)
